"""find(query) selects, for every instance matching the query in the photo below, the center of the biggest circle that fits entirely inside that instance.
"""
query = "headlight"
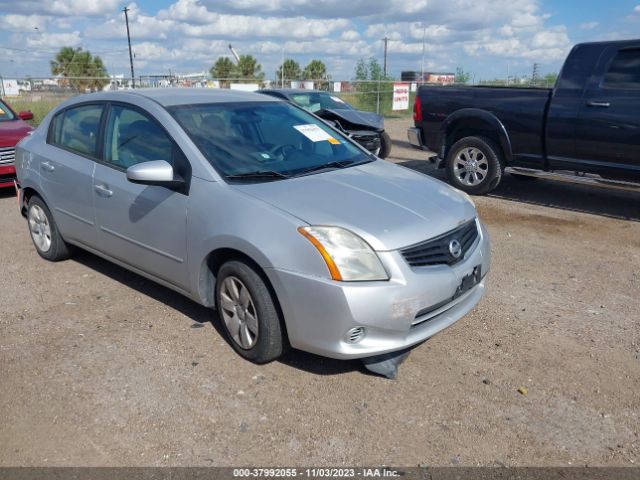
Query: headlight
(348, 257)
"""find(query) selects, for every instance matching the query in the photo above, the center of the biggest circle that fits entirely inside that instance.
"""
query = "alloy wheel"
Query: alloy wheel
(40, 228)
(471, 166)
(239, 312)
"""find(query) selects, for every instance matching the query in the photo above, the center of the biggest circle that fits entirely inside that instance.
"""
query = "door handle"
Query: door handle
(593, 103)
(47, 166)
(103, 190)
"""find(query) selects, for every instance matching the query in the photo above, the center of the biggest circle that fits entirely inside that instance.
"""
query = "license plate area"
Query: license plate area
(469, 281)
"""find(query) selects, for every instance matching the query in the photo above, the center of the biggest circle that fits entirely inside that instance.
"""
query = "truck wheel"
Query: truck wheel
(44, 232)
(473, 165)
(385, 145)
(248, 313)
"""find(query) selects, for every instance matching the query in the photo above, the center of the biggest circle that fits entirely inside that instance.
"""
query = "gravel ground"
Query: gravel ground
(101, 367)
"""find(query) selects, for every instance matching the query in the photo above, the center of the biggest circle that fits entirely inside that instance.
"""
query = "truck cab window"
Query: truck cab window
(624, 71)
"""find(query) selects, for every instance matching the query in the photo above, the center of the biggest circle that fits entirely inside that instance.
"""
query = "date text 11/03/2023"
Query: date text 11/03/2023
(374, 472)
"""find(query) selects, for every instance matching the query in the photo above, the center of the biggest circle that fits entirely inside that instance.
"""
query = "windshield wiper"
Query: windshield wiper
(330, 165)
(257, 174)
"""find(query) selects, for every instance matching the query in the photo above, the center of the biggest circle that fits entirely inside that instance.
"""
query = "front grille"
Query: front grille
(436, 251)
(7, 155)
(370, 141)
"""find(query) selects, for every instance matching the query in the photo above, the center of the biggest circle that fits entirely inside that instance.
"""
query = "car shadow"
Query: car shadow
(307, 362)
(548, 193)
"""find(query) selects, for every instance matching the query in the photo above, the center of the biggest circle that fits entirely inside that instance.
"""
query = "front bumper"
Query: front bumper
(320, 312)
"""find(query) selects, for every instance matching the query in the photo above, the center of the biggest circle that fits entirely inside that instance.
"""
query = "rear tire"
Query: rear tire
(385, 145)
(247, 310)
(473, 165)
(44, 232)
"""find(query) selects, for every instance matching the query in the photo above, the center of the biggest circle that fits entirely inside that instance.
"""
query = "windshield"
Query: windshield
(316, 101)
(264, 141)
(5, 112)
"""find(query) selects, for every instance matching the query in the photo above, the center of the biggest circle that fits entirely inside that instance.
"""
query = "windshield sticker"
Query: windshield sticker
(1, 111)
(313, 132)
(337, 99)
(333, 141)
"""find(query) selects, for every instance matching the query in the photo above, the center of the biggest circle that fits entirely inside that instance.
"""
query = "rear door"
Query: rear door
(141, 225)
(66, 170)
(608, 130)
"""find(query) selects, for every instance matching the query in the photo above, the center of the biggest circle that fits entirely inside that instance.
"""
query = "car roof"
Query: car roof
(288, 91)
(182, 96)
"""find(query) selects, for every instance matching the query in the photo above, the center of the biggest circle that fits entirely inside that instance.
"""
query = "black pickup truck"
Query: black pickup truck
(586, 129)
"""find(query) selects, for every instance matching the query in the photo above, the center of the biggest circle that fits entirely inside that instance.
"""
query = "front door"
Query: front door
(608, 130)
(141, 225)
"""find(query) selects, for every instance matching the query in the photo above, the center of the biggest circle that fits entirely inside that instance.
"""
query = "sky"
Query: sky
(487, 38)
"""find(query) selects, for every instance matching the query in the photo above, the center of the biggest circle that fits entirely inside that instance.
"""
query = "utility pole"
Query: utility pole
(424, 35)
(282, 69)
(384, 69)
(126, 18)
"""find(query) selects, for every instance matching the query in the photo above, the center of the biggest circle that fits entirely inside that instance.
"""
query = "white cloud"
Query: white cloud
(636, 9)
(85, 8)
(24, 23)
(350, 35)
(53, 41)
(191, 34)
(589, 25)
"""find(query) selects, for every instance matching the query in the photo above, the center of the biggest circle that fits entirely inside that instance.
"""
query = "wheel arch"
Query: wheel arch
(27, 193)
(472, 122)
(211, 265)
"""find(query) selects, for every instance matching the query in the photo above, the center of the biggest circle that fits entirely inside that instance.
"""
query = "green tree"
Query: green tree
(81, 70)
(462, 76)
(549, 80)
(223, 70)
(375, 90)
(249, 68)
(289, 70)
(362, 70)
(316, 70)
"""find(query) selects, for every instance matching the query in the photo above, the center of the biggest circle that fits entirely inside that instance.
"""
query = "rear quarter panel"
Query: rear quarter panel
(520, 110)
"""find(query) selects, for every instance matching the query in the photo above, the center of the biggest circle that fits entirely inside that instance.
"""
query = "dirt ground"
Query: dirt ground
(101, 367)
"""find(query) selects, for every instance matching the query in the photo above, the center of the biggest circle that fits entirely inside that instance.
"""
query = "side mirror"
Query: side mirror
(25, 115)
(156, 172)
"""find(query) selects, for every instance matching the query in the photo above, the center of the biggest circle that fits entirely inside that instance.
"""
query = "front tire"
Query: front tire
(247, 310)
(44, 232)
(385, 145)
(473, 165)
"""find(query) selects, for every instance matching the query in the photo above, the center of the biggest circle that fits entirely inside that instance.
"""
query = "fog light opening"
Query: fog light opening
(355, 334)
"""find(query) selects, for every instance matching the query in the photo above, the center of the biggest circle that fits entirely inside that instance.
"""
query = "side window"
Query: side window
(133, 138)
(55, 129)
(624, 71)
(77, 129)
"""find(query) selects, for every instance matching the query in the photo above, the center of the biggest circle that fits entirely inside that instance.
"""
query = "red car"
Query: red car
(13, 128)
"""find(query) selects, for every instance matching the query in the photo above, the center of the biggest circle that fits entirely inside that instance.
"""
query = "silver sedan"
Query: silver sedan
(294, 233)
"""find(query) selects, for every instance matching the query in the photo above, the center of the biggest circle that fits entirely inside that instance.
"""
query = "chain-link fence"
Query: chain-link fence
(386, 97)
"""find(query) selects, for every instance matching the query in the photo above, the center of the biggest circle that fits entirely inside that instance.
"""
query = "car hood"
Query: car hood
(364, 119)
(12, 131)
(391, 207)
